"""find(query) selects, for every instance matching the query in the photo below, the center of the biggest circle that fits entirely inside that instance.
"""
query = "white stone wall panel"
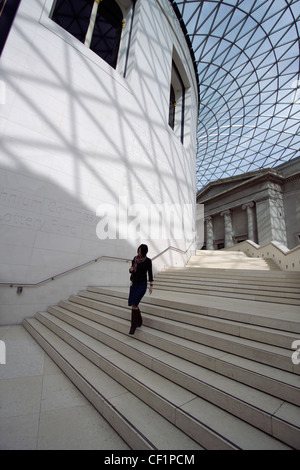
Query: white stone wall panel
(75, 134)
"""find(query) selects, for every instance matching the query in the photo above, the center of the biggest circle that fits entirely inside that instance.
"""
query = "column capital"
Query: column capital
(227, 212)
(248, 204)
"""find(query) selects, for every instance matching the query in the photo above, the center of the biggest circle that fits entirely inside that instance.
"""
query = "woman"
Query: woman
(141, 265)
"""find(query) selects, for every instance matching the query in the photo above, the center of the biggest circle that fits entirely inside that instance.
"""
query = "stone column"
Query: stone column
(271, 217)
(250, 219)
(209, 233)
(228, 228)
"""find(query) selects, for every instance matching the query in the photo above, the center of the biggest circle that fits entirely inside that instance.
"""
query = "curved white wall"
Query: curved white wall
(75, 134)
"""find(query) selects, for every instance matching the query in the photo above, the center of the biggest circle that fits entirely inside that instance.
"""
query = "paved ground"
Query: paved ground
(40, 408)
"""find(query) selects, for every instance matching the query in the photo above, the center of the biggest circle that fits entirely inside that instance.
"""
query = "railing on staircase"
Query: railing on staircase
(20, 285)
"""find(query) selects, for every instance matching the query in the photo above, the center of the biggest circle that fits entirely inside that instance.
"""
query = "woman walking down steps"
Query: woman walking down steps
(141, 265)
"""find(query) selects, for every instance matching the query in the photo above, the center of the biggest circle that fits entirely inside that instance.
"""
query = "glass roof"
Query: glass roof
(247, 54)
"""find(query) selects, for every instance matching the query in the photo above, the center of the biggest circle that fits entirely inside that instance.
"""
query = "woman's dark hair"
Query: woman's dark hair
(144, 249)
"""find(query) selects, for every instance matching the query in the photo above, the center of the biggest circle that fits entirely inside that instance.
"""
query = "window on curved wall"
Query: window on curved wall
(107, 32)
(172, 106)
(8, 10)
(177, 103)
(96, 23)
(74, 17)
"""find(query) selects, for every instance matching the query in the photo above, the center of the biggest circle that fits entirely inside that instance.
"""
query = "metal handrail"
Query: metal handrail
(95, 260)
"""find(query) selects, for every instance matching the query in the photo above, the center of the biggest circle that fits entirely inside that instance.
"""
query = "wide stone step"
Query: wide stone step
(133, 419)
(111, 304)
(191, 413)
(231, 260)
(217, 253)
(269, 316)
(263, 353)
(230, 265)
(244, 370)
(241, 369)
(222, 290)
(268, 285)
(284, 276)
(240, 400)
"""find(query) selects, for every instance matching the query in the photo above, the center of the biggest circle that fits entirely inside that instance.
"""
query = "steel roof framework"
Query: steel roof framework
(247, 54)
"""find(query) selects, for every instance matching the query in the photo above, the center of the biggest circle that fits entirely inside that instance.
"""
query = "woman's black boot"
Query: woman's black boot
(139, 319)
(134, 321)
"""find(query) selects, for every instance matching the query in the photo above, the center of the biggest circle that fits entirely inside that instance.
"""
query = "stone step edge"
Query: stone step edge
(260, 415)
(227, 279)
(232, 265)
(245, 372)
(254, 274)
(257, 290)
(158, 323)
(150, 336)
(223, 282)
(229, 273)
(227, 293)
(112, 341)
(257, 297)
(263, 320)
(221, 252)
(219, 441)
(259, 261)
(212, 323)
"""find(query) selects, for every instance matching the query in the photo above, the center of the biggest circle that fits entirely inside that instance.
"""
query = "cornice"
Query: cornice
(292, 177)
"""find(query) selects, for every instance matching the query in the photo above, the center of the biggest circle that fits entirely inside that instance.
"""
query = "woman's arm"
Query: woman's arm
(131, 267)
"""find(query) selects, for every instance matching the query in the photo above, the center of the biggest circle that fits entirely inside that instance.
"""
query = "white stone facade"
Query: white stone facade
(76, 134)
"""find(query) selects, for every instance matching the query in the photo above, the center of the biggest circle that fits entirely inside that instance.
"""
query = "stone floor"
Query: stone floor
(40, 408)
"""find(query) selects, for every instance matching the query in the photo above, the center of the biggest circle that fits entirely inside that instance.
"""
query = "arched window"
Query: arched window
(107, 32)
(96, 23)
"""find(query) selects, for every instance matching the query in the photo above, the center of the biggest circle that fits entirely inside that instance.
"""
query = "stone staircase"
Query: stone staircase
(232, 274)
(203, 372)
(230, 260)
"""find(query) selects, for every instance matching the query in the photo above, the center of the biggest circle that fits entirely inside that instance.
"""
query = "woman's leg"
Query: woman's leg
(137, 292)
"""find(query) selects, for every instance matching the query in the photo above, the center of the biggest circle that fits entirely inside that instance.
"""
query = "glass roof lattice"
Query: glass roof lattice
(247, 53)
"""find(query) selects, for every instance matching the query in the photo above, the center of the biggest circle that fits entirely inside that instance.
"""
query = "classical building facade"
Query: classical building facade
(261, 206)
